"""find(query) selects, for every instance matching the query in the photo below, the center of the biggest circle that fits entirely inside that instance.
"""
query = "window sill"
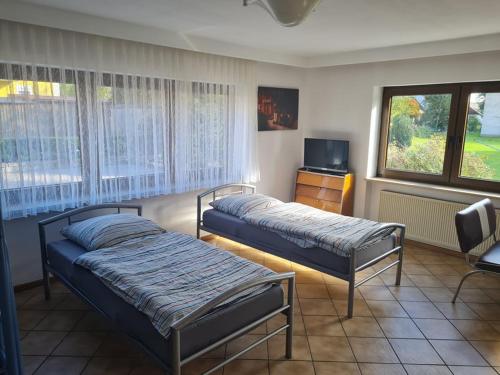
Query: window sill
(449, 189)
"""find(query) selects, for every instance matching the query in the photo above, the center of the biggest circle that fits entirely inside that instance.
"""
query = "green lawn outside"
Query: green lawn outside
(486, 147)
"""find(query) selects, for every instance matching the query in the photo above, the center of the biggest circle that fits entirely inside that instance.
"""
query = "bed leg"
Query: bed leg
(176, 352)
(350, 301)
(352, 285)
(289, 319)
(400, 254)
(46, 283)
(198, 216)
(400, 267)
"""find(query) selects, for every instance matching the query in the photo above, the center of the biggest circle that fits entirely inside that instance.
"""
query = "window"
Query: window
(445, 134)
(74, 137)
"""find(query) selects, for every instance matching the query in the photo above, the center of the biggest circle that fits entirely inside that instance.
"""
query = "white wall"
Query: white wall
(342, 100)
(279, 157)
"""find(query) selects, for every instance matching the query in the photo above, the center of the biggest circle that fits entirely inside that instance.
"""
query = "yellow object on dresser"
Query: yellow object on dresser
(325, 191)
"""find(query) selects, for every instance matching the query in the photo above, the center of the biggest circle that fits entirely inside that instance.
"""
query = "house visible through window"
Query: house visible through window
(445, 134)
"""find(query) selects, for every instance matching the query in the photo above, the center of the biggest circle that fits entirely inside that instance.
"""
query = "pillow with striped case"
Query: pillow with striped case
(241, 204)
(109, 230)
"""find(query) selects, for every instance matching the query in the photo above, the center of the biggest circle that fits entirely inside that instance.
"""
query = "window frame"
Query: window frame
(455, 137)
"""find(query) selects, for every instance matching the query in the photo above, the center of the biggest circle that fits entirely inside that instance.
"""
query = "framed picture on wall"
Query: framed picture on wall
(278, 108)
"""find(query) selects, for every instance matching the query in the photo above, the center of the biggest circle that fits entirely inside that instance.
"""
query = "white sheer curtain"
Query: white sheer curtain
(87, 119)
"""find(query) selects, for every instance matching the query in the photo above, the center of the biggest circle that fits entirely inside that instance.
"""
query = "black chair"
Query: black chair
(476, 224)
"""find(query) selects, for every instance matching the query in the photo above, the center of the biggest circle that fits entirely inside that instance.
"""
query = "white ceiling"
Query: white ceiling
(336, 27)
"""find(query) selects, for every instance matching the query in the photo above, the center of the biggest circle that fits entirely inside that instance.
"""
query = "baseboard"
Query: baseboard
(427, 246)
(30, 285)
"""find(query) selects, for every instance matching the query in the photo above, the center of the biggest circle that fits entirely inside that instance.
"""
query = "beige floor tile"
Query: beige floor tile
(376, 293)
(148, 369)
(441, 270)
(29, 319)
(301, 352)
(323, 325)
(280, 320)
(474, 296)
(400, 328)
(329, 348)
(38, 302)
(60, 321)
(314, 306)
(387, 309)
(340, 292)
(427, 370)
(31, 363)
(337, 368)
(424, 310)
(459, 353)
(456, 310)
(381, 369)
(259, 352)
(362, 327)
(247, 367)
(415, 269)
(199, 366)
(438, 294)
(41, 343)
(390, 280)
(92, 322)
(360, 308)
(415, 351)
(291, 368)
(477, 330)
(118, 345)
(309, 277)
(79, 344)
(438, 329)
(312, 291)
(424, 281)
(62, 366)
(490, 350)
(407, 293)
(374, 350)
(109, 366)
(469, 370)
(494, 294)
(487, 311)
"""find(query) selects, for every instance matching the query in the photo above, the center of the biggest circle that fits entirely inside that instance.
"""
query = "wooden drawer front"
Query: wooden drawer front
(330, 182)
(319, 193)
(330, 206)
(317, 203)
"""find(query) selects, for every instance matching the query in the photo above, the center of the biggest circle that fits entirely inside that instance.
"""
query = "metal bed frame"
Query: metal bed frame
(350, 277)
(177, 328)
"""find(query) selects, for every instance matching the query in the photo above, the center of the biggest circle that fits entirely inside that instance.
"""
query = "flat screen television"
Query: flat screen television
(326, 155)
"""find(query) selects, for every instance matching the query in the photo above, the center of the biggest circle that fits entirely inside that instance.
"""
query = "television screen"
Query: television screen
(326, 154)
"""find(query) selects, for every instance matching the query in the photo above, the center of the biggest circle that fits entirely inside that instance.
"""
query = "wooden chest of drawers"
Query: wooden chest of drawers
(325, 191)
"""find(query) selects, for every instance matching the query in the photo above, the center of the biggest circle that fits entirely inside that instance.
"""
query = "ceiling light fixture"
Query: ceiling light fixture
(286, 12)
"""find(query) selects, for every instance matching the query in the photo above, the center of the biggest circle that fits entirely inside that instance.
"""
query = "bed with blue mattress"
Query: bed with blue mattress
(334, 244)
(156, 287)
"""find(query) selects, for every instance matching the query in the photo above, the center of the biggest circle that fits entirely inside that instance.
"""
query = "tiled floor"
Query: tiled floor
(412, 329)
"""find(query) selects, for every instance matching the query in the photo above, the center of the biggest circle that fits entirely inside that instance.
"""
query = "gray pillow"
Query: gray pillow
(109, 230)
(241, 204)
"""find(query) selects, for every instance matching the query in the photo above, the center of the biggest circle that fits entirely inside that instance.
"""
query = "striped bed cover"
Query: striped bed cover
(310, 227)
(170, 275)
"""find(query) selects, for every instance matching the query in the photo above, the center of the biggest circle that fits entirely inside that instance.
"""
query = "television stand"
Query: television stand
(334, 193)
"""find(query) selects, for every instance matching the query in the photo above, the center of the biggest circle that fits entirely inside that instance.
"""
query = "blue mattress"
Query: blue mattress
(315, 257)
(126, 318)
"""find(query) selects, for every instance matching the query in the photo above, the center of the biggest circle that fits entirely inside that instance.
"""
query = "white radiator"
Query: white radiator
(430, 221)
